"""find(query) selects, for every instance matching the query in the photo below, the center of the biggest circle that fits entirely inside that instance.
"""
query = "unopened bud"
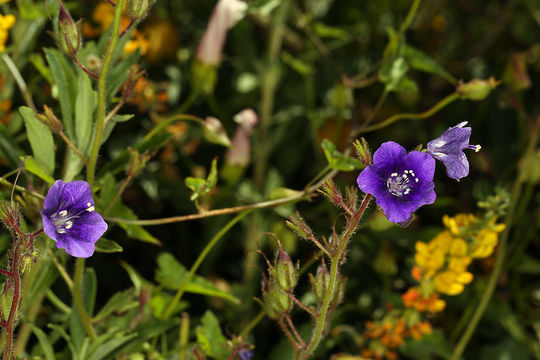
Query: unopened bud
(286, 272)
(363, 152)
(477, 89)
(339, 292)
(214, 132)
(10, 214)
(137, 9)
(26, 263)
(299, 225)
(137, 162)
(319, 283)
(68, 37)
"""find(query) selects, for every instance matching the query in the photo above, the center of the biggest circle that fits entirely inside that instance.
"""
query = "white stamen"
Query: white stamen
(69, 224)
(477, 149)
(394, 174)
(408, 190)
(416, 179)
(61, 231)
(90, 208)
(63, 213)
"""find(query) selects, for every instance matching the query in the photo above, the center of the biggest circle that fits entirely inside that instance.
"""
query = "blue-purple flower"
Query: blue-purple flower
(245, 354)
(400, 182)
(70, 219)
(449, 147)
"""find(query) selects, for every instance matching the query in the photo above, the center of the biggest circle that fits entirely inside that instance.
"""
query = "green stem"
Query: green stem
(183, 337)
(268, 90)
(78, 300)
(335, 260)
(410, 16)
(499, 260)
(377, 108)
(411, 116)
(169, 121)
(102, 101)
(20, 81)
(199, 261)
(253, 323)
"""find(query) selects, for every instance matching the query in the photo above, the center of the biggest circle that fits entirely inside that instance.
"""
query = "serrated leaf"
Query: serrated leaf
(171, 275)
(40, 138)
(32, 166)
(210, 338)
(337, 160)
(108, 246)
(420, 61)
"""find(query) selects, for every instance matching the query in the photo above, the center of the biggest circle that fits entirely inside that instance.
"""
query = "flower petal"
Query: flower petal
(53, 198)
(388, 157)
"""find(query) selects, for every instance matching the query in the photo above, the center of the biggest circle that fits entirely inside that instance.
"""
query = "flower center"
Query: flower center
(63, 221)
(400, 184)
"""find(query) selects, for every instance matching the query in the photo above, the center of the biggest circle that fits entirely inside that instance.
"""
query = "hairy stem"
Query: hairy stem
(102, 101)
(10, 324)
(322, 320)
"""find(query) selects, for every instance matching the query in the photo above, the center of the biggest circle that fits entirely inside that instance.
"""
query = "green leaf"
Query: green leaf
(109, 126)
(327, 31)
(171, 275)
(420, 61)
(66, 337)
(119, 302)
(337, 160)
(296, 64)
(108, 246)
(40, 138)
(32, 166)
(89, 287)
(44, 342)
(85, 104)
(406, 85)
(45, 273)
(107, 194)
(9, 150)
(392, 73)
(65, 80)
(210, 338)
(200, 186)
(104, 349)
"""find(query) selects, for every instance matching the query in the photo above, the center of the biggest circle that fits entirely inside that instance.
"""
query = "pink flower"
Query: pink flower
(225, 15)
(240, 149)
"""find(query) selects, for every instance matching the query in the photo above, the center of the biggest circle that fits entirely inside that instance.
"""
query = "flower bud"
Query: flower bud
(319, 283)
(214, 132)
(137, 161)
(339, 292)
(477, 89)
(68, 37)
(363, 152)
(10, 214)
(285, 271)
(137, 9)
(26, 263)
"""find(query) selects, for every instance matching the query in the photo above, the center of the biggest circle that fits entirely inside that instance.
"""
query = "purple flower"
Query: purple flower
(400, 182)
(70, 219)
(449, 147)
(245, 354)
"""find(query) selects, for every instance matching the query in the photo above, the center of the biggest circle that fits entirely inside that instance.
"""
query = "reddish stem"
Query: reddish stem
(302, 305)
(7, 273)
(84, 68)
(293, 328)
(14, 304)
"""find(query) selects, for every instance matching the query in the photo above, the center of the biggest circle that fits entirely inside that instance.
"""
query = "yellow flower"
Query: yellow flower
(6, 22)
(459, 221)
(485, 241)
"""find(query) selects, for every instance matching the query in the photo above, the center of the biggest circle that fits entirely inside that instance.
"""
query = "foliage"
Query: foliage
(212, 133)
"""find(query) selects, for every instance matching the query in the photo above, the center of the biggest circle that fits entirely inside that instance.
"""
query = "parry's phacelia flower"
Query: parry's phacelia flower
(400, 182)
(448, 148)
(70, 219)
(245, 354)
